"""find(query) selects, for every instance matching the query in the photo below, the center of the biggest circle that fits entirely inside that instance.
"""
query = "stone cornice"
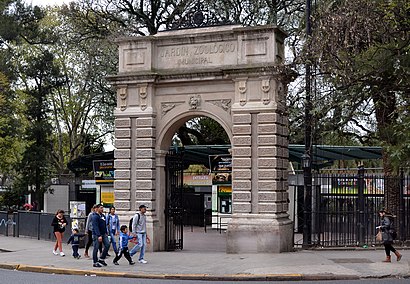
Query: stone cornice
(256, 70)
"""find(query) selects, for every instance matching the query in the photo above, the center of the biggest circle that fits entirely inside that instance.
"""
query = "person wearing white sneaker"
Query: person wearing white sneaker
(139, 229)
(59, 224)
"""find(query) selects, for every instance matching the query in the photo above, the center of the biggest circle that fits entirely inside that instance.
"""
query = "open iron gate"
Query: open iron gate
(174, 204)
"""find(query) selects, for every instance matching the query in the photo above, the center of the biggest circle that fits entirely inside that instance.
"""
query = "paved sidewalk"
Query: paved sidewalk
(33, 255)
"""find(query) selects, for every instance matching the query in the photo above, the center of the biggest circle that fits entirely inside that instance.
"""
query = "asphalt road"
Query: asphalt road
(18, 277)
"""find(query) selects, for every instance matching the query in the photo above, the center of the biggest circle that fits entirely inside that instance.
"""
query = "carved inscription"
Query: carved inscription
(201, 54)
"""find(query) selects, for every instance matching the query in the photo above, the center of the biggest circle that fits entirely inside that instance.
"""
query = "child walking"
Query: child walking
(124, 238)
(75, 242)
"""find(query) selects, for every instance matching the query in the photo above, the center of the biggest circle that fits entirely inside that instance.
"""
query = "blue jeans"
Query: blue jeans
(75, 250)
(114, 244)
(96, 244)
(140, 246)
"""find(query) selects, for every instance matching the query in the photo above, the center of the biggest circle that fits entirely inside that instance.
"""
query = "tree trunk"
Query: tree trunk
(385, 104)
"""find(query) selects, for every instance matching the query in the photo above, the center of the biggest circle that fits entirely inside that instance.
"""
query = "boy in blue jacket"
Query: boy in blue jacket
(124, 238)
(75, 242)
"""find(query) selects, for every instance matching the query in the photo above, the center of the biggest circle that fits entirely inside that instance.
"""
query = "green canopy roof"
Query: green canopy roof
(199, 154)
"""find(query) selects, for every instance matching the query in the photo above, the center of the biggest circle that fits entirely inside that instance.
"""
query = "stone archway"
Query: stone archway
(234, 75)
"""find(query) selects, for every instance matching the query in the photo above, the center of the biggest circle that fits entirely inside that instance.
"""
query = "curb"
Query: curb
(208, 277)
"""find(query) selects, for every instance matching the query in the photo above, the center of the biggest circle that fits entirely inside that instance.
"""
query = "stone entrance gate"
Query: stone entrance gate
(231, 74)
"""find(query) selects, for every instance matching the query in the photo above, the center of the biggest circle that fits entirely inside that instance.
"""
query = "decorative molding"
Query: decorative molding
(224, 104)
(265, 89)
(198, 16)
(123, 94)
(242, 92)
(194, 102)
(143, 97)
(166, 107)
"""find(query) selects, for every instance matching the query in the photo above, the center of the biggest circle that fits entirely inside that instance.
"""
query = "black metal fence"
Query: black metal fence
(345, 208)
(30, 224)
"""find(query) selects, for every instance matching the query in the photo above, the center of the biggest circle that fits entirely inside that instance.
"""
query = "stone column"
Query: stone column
(259, 221)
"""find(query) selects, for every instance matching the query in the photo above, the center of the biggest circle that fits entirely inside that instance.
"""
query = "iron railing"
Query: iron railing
(345, 208)
(30, 224)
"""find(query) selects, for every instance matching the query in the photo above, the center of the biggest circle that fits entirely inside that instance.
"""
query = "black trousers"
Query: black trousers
(389, 248)
(126, 253)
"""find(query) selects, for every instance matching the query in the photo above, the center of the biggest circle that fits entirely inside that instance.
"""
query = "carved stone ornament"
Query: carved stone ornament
(242, 92)
(143, 97)
(224, 104)
(197, 16)
(167, 107)
(265, 89)
(122, 92)
(194, 102)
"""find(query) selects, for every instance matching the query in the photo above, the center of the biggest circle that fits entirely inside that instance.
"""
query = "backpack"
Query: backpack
(132, 220)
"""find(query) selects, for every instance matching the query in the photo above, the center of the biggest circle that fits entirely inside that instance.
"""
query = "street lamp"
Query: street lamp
(306, 161)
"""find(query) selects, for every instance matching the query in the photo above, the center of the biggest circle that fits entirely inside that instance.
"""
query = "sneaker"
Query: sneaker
(115, 263)
(101, 261)
(97, 265)
(132, 263)
(62, 254)
(142, 261)
(55, 253)
(78, 256)
(108, 255)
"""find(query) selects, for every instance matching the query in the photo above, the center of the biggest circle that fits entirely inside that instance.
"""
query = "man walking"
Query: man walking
(99, 230)
(139, 229)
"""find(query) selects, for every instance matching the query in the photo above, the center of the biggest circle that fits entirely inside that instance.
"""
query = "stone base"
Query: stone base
(259, 233)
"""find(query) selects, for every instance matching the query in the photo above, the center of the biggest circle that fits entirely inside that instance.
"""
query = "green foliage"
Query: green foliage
(202, 131)
(362, 51)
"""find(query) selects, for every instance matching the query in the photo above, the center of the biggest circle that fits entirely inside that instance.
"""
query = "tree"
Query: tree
(202, 131)
(18, 24)
(82, 106)
(362, 49)
(42, 76)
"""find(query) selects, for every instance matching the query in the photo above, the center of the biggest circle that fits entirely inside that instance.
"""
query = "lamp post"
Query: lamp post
(307, 156)
(307, 202)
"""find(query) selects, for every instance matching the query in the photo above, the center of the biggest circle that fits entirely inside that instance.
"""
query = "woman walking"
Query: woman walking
(88, 230)
(59, 224)
(113, 228)
(387, 238)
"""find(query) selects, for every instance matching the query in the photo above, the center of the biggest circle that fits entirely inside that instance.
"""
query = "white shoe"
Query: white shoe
(62, 254)
(142, 261)
(55, 253)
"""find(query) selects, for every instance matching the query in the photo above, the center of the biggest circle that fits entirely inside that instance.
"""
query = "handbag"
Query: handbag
(379, 237)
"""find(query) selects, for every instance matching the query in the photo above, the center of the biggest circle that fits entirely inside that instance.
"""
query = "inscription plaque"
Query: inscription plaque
(201, 55)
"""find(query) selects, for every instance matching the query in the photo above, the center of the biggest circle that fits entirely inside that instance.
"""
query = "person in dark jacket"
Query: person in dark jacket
(123, 246)
(75, 242)
(386, 227)
(59, 224)
(99, 231)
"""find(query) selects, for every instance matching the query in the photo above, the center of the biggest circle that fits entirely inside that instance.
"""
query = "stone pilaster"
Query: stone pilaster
(145, 162)
(122, 164)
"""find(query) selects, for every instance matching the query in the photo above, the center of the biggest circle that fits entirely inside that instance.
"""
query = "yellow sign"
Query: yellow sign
(225, 189)
(107, 197)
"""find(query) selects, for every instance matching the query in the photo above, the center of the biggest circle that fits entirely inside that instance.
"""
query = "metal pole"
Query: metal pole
(307, 170)
(360, 217)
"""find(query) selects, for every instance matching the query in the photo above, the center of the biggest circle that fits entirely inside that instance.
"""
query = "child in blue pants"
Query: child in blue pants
(75, 242)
